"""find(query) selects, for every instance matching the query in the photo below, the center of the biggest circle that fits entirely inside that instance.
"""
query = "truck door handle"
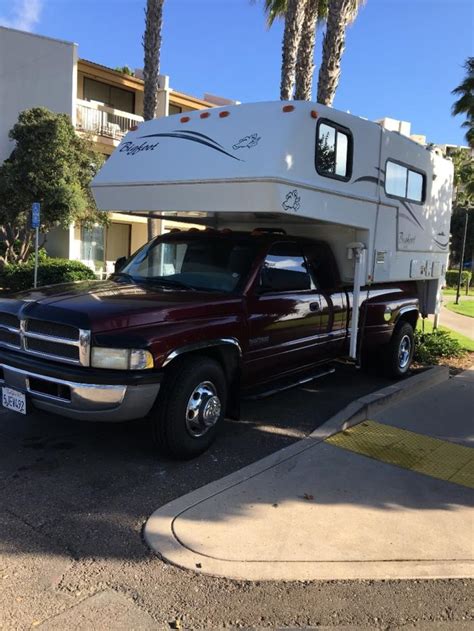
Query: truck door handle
(314, 306)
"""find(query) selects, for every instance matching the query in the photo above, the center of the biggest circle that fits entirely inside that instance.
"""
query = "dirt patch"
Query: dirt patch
(455, 364)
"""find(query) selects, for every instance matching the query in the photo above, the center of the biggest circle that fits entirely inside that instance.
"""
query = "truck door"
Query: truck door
(287, 315)
(326, 277)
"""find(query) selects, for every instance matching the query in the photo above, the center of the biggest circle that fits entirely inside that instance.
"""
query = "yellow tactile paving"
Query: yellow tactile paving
(409, 450)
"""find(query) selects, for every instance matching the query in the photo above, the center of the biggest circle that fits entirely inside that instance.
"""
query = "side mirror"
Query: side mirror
(119, 263)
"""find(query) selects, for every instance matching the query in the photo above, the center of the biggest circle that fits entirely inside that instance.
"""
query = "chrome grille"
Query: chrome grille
(10, 338)
(52, 329)
(56, 349)
(51, 340)
(9, 320)
(10, 335)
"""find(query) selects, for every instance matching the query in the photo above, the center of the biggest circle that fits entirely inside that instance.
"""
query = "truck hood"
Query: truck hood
(103, 306)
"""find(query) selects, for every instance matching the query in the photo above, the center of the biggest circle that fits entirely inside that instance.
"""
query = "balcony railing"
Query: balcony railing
(101, 120)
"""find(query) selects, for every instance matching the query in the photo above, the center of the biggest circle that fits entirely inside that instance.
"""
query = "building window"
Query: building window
(174, 109)
(117, 98)
(403, 182)
(333, 150)
(92, 246)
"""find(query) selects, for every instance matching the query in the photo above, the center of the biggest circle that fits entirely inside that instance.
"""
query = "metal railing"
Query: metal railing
(104, 121)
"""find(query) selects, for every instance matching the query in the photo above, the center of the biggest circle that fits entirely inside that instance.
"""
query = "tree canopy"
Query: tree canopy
(465, 102)
(49, 164)
(463, 202)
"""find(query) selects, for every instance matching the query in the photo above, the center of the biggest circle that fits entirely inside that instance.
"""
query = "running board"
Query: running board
(282, 385)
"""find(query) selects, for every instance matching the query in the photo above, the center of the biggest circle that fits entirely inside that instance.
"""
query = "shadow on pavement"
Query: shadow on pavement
(88, 488)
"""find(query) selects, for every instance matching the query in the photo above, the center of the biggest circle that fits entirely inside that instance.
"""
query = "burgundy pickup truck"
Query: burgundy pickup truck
(189, 323)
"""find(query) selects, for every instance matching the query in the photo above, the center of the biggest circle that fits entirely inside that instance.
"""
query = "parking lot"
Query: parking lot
(74, 498)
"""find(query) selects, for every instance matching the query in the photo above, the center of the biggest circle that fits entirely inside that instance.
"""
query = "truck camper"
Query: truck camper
(299, 212)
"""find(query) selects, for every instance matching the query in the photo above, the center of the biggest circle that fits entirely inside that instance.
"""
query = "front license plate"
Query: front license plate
(14, 400)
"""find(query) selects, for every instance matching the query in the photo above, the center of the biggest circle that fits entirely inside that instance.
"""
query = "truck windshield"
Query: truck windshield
(207, 263)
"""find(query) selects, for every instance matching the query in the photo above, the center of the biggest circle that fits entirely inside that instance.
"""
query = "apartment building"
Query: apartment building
(102, 103)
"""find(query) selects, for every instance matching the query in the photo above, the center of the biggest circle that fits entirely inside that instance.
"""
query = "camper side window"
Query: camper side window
(401, 181)
(333, 150)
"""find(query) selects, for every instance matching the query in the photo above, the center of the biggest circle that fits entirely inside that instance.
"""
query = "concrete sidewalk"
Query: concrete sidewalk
(457, 322)
(371, 502)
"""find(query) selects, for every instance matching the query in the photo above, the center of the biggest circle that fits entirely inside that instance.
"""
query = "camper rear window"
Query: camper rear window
(403, 182)
(333, 150)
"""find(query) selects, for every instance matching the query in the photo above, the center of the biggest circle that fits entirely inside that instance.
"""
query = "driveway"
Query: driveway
(74, 498)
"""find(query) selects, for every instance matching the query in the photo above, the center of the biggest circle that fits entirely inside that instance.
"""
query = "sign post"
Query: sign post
(35, 223)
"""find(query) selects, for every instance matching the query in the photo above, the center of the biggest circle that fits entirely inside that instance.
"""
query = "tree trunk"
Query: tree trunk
(17, 243)
(291, 38)
(151, 71)
(305, 59)
(340, 12)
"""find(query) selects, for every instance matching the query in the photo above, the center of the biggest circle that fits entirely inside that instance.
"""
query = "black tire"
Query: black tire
(192, 400)
(399, 351)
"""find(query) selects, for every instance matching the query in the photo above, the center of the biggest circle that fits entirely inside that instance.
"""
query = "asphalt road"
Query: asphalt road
(74, 498)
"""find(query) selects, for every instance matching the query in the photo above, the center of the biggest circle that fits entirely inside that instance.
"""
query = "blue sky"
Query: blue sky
(402, 59)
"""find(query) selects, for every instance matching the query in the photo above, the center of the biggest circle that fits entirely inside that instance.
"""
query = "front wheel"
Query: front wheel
(190, 407)
(399, 352)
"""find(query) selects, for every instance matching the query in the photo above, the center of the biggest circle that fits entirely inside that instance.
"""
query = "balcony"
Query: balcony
(100, 120)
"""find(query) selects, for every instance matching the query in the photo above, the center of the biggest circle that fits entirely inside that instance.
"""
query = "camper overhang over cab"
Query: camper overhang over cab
(381, 200)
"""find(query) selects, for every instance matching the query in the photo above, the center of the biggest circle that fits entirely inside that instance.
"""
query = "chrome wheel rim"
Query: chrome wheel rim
(404, 352)
(203, 409)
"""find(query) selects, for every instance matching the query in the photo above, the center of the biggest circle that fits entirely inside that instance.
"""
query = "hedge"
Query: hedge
(452, 277)
(431, 347)
(17, 277)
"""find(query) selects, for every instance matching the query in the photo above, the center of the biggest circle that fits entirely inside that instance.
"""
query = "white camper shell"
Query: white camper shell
(381, 200)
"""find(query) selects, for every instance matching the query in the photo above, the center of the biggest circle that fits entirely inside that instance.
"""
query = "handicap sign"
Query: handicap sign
(35, 215)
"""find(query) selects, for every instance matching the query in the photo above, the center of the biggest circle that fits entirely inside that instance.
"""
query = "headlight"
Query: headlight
(121, 358)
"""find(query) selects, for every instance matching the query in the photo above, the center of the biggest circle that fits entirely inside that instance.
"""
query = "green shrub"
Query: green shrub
(50, 272)
(42, 256)
(452, 277)
(431, 347)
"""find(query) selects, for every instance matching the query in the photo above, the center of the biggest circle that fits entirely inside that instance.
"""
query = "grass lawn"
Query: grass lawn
(465, 342)
(451, 291)
(465, 308)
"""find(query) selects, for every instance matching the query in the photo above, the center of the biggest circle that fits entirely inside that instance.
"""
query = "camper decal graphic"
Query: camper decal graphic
(130, 148)
(442, 244)
(196, 137)
(247, 142)
(407, 239)
(292, 201)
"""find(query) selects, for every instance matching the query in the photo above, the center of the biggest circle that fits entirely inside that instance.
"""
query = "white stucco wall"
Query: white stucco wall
(34, 71)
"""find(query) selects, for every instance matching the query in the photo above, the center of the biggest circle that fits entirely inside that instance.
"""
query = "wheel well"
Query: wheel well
(409, 316)
(228, 357)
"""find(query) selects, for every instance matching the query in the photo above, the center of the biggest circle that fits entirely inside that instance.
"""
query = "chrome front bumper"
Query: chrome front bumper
(82, 401)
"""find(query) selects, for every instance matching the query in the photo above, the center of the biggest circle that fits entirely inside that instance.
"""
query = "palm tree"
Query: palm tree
(151, 71)
(315, 11)
(305, 59)
(341, 13)
(294, 16)
(465, 102)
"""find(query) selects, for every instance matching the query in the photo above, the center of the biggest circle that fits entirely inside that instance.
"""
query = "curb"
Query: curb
(159, 531)
(362, 409)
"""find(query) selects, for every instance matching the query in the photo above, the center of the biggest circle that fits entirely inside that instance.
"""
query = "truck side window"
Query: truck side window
(333, 150)
(285, 269)
(322, 265)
